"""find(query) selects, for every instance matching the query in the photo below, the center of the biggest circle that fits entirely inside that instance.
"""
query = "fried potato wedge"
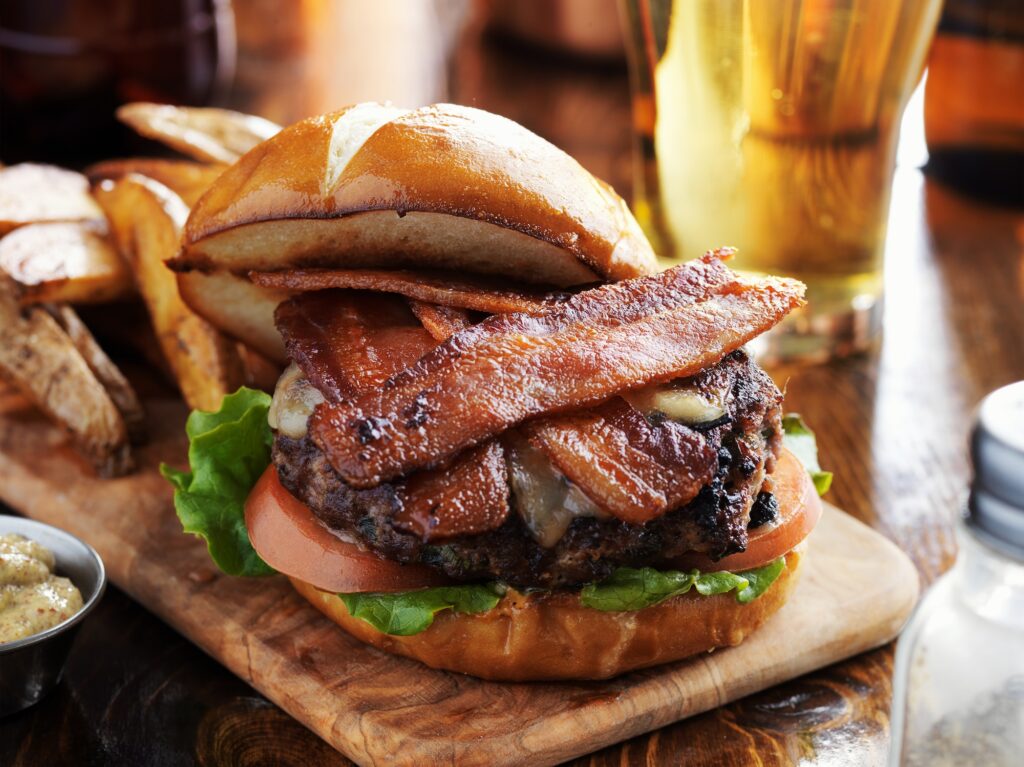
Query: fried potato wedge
(32, 194)
(189, 180)
(146, 219)
(125, 325)
(260, 372)
(206, 134)
(64, 263)
(40, 359)
(106, 372)
(239, 308)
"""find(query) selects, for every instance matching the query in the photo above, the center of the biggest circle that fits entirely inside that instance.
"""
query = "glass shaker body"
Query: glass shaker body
(959, 673)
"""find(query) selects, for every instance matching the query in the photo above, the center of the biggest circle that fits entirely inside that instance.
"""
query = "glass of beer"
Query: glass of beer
(771, 126)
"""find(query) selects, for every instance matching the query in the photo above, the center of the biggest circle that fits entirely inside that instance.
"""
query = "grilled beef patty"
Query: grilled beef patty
(747, 440)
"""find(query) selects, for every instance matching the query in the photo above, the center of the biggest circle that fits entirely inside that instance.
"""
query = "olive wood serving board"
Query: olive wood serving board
(855, 592)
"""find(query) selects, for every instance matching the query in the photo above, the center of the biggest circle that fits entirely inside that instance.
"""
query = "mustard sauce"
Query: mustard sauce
(32, 598)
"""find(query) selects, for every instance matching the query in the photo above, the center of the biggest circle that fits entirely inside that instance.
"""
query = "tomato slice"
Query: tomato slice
(288, 537)
(799, 511)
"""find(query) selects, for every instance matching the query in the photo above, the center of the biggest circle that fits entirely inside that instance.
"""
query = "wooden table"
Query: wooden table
(892, 425)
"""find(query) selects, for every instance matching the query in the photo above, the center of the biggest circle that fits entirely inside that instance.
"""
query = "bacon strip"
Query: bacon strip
(442, 322)
(470, 496)
(511, 367)
(348, 343)
(632, 469)
(464, 292)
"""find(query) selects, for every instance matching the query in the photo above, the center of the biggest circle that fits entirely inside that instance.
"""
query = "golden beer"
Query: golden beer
(771, 126)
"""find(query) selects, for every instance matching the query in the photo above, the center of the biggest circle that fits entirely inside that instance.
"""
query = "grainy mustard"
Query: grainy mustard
(32, 598)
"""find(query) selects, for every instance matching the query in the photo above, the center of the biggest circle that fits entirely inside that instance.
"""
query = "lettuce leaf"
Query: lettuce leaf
(410, 612)
(759, 579)
(800, 441)
(629, 588)
(228, 451)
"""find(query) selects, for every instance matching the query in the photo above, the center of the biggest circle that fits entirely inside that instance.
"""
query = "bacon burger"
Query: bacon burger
(503, 444)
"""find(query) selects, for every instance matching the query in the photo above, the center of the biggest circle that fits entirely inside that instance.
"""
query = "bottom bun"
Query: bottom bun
(530, 637)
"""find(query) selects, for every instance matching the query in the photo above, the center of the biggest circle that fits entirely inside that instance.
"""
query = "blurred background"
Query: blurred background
(772, 127)
(558, 67)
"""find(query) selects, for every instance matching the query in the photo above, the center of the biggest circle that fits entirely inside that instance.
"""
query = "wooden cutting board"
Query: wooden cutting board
(854, 594)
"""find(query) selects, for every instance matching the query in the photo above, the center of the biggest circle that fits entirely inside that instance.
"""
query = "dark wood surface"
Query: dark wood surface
(891, 424)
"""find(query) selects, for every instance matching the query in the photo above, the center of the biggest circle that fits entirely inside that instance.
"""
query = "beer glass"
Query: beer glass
(771, 126)
(66, 65)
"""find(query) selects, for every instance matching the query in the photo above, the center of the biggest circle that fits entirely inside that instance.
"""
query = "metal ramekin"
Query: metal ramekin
(31, 667)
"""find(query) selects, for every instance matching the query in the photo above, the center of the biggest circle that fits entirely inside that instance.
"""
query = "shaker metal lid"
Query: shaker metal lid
(996, 507)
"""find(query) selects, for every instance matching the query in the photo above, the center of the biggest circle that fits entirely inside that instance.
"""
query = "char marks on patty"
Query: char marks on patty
(715, 522)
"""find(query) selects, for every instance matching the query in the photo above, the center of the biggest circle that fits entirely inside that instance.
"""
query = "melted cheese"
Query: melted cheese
(546, 501)
(293, 403)
(677, 403)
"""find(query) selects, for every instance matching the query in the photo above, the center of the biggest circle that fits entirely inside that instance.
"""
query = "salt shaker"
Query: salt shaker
(958, 692)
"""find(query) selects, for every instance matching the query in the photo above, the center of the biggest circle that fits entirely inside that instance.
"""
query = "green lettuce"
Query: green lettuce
(410, 612)
(759, 579)
(799, 440)
(228, 451)
(629, 588)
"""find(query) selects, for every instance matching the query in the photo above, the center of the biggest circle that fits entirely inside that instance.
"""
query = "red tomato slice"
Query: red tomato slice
(288, 537)
(799, 510)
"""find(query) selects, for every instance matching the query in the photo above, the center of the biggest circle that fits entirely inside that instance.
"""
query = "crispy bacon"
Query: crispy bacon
(632, 469)
(464, 292)
(442, 322)
(347, 343)
(469, 496)
(512, 367)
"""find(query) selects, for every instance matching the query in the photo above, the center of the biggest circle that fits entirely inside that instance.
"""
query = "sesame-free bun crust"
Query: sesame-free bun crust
(552, 636)
(439, 187)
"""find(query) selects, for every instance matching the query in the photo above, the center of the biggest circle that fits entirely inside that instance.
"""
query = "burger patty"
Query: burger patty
(747, 439)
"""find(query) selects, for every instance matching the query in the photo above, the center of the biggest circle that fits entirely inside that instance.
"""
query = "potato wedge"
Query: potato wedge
(243, 310)
(146, 219)
(206, 134)
(32, 194)
(107, 373)
(189, 180)
(39, 358)
(125, 326)
(66, 263)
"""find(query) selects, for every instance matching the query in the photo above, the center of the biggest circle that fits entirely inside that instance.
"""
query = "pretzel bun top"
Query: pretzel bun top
(443, 186)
